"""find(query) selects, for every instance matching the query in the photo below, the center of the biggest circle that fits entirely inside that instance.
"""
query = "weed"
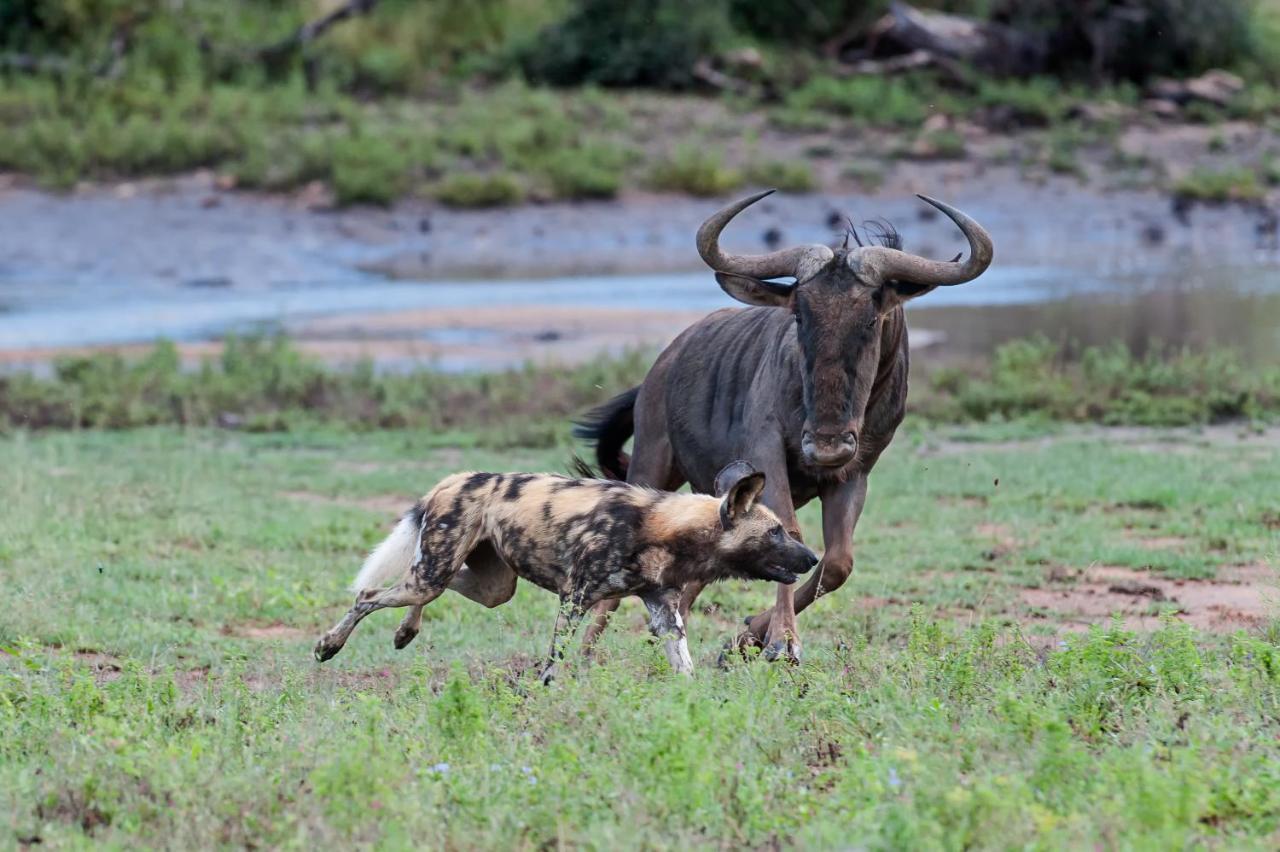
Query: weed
(788, 176)
(697, 170)
(480, 190)
(1219, 186)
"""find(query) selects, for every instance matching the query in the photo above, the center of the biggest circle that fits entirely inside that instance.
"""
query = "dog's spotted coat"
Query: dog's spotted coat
(586, 540)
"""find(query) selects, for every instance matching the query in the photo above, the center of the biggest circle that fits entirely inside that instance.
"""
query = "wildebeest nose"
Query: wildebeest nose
(828, 450)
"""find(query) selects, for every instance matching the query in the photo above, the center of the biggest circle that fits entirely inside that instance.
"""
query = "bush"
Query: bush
(786, 175)
(368, 170)
(640, 43)
(695, 170)
(877, 101)
(594, 171)
(1219, 186)
(477, 190)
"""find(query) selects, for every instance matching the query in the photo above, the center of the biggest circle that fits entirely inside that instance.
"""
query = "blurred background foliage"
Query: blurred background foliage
(406, 45)
(444, 97)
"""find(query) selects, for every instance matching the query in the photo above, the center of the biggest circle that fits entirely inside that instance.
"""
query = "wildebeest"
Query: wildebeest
(808, 385)
(584, 539)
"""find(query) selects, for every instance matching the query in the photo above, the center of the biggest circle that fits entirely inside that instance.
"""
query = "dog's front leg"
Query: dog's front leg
(567, 619)
(665, 623)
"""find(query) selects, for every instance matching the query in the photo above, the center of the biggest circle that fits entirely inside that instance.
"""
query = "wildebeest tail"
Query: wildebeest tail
(609, 426)
(389, 563)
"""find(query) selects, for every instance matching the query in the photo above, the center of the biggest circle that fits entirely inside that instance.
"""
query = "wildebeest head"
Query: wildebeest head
(753, 543)
(840, 299)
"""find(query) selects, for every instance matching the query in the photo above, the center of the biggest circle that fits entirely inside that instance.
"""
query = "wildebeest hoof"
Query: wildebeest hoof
(324, 651)
(404, 636)
(783, 649)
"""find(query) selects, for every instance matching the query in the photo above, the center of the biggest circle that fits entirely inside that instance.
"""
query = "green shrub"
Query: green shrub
(1235, 183)
(368, 170)
(695, 170)
(786, 175)
(640, 43)
(480, 190)
(593, 171)
(876, 101)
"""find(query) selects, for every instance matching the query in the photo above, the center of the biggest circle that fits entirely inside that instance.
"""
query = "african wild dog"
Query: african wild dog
(587, 540)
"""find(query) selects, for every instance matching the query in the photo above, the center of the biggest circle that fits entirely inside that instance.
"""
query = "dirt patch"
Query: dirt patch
(269, 631)
(1157, 542)
(1242, 596)
(106, 667)
(383, 504)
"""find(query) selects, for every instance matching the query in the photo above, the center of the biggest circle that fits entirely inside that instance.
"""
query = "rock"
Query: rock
(1101, 112)
(212, 282)
(937, 121)
(1161, 108)
(743, 59)
(1216, 87)
(772, 238)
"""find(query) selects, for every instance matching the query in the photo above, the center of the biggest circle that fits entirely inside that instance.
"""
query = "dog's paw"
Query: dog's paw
(325, 651)
(404, 636)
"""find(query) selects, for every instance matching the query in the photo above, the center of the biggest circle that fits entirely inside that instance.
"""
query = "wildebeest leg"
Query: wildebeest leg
(776, 628)
(567, 619)
(653, 465)
(840, 512)
(665, 623)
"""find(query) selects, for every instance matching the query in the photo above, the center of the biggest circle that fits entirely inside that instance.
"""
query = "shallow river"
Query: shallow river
(480, 290)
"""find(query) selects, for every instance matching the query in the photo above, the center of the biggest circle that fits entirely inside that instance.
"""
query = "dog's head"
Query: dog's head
(753, 544)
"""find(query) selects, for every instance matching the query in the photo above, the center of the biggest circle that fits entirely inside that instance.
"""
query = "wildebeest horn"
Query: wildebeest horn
(892, 264)
(776, 264)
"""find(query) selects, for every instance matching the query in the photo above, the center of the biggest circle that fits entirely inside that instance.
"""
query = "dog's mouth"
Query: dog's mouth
(778, 574)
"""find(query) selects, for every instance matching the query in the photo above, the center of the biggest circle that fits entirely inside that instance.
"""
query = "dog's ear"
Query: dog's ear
(740, 485)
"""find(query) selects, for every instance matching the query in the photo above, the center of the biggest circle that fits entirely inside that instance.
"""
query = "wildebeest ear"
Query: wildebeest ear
(905, 290)
(753, 291)
(740, 497)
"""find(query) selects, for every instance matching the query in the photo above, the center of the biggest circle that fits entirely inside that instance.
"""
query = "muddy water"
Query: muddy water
(565, 282)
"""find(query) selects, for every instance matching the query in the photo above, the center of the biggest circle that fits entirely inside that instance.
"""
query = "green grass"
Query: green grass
(1220, 185)
(694, 169)
(157, 689)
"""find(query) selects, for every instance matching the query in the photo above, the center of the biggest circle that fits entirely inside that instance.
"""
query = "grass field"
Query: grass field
(157, 686)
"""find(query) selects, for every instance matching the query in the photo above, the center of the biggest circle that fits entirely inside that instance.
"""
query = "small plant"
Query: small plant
(695, 170)
(868, 175)
(480, 190)
(788, 176)
(1219, 186)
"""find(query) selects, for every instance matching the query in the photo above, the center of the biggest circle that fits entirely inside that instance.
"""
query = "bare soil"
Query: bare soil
(1243, 596)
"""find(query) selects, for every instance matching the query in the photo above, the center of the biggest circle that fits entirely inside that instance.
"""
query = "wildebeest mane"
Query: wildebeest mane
(876, 231)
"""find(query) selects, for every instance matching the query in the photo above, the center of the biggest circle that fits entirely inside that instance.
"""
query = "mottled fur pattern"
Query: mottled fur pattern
(586, 540)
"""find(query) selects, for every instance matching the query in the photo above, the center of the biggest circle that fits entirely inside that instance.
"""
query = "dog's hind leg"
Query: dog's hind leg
(441, 548)
(410, 593)
(409, 627)
(666, 624)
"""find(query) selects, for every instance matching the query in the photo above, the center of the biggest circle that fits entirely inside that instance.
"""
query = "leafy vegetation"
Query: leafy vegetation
(397, 102)
(1219, 185)
(1035, 377)
(267, 385)
(158, 688)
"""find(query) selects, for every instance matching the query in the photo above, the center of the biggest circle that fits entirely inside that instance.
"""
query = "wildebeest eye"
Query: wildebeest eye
(778, 533)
